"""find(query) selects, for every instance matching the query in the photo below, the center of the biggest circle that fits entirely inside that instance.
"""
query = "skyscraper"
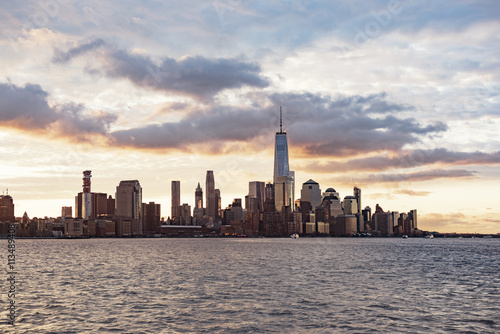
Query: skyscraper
(284, 180)
(151, 217)
(283, 192)
(256, 189)
(311, 193)
(176, 198)
(87, 197)
(211, 200)
(357, 195)
(281, 167)
(128, 201)
(7, 209)
(198, 197)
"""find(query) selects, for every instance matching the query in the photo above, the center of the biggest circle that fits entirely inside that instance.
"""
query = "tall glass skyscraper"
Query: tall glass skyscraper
(284, 183)
(281, 167)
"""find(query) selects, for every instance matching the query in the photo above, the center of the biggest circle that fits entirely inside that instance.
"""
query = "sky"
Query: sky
(397, 97)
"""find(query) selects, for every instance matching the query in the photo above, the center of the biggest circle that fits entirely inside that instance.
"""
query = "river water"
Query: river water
(307, 285)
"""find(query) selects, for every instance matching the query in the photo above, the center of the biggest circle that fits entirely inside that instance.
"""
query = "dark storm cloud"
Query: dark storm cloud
(349, 125)
(193, 75)
(317, 125)
(410, 159)
(26, 108)
(219, 124)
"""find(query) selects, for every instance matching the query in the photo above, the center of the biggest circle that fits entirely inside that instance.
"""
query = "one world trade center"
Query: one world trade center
(283, 177)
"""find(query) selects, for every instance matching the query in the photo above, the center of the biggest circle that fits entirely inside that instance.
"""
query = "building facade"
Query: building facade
(176, 198)
(128, 201)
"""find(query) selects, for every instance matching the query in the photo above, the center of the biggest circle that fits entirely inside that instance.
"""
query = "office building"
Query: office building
(211, 200)
(350, 205)
(7, 209)
(198, 197)
(176, 198)
(87, 197)
(357, 196)
(151, 217)
(283, 178)
(281, 167)
(256, 189)
(283, 192)
(128, 201)
(67, 211)
(311, 193)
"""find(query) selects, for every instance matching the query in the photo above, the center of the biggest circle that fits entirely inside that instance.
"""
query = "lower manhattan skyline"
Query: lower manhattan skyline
(398, 99)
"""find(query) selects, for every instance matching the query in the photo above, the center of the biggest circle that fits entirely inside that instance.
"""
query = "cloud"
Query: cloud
(218, 125)
(325, 125)
(26, 108)
(196, 76)
(420, 176)
(61, 57)
(409, 159)
(318, 125)
(412, 192)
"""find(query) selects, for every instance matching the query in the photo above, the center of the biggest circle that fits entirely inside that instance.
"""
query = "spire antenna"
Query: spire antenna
(281, 121)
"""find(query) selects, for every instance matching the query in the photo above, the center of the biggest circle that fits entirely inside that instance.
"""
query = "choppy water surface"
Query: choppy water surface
(308, 285)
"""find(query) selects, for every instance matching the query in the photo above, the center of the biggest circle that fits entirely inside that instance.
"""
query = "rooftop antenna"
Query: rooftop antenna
(281, 121)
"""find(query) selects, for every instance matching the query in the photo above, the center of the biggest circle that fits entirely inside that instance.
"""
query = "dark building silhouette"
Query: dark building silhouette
(7, 209)
(176, 199)
(151, 218)
(212, 206)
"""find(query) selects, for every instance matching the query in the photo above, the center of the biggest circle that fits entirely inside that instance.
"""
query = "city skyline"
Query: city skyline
(398, 98)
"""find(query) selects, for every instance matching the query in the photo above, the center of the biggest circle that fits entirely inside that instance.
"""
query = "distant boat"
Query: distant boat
(294, 236)
(404, 236)
(487, 236)
(430, 236)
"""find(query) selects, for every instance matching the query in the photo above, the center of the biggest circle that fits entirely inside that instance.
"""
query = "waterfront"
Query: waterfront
(311, 285)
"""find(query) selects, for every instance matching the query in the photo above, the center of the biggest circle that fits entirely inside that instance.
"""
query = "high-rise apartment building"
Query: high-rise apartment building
(128, 201)
(211, 198)
(176, 198)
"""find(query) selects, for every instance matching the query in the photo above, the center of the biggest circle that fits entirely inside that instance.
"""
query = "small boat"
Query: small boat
(429, 236)
(294, 236)
(404, 236)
